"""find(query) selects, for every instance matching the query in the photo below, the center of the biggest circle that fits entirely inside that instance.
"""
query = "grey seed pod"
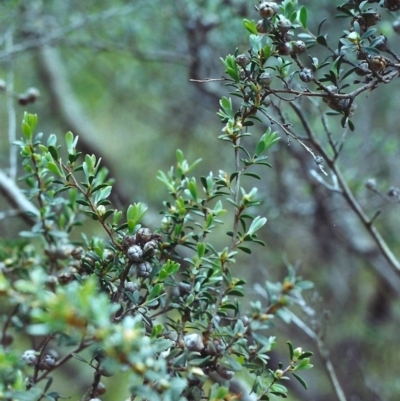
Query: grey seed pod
(171, 335)
(396, 26)
(371, 184)
(128, 241)
(242, 60)
(106, 371)
(2, 85)
(184, 288)
(30, 357)
(266, 101)
(193, 342)
(48, 362)
(306, 75)
(32, 94)
(319, 160)
(284, 49)
(134, 253)
(143, 235)
(262, 26)
(299, 47)
(284, 25)
(265, 79)
(246, 321)
(66, 276)
(289, 35)
(150, 247)
(332, 88)
(101, 389)
(266, 10)
(381, 43)
(362, 68)
(144, 269)
(131, 287)
(224, 372)
(394, 192)
(6, 340)
(23, 99)
(77, 253)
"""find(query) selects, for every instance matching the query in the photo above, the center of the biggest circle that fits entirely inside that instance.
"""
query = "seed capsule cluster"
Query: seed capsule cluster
(139, 248)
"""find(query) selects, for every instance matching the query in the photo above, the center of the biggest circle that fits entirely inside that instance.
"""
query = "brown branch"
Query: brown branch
(348, 195)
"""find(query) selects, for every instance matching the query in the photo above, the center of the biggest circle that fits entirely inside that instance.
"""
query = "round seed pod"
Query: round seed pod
(396, 26)
(131, 287)
(289, 35)
(267, 101)
(371, 19)
(242, 60)
(284, 25)
(377, 63)
(30, 357)
(77, 253)
(224, 372)
(362, 68)
(150, 247)
(193, 342)
(306, 75)
(184, 288)
(143, 235)
(134, 253)
(371, 184)
(32, 94)
(284, 49)
(23, 99)
(144, 269)
(128, 241)
(266, 10)
(6, 340)
(262, 26)
(298, 47)
(101, 389)
(2, 85)
(48, 362)
(392, 5)
(265, 79)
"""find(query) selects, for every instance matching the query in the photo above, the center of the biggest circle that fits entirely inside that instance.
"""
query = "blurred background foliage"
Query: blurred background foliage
(117, 74)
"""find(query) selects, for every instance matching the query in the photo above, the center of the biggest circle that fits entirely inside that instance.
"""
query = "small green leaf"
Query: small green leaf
(300, 380)
(303, 17)
(54, 168)
(26, 130)
(290, 349)
(306, 354)
(322, 41)
(250, 26)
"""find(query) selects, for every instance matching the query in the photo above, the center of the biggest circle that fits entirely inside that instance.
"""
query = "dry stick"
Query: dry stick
(348, 195)
(324, 355)
(12, 124)
(76, 25)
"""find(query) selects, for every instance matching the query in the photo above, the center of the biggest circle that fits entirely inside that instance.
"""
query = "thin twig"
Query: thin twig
(12, 119)
(324, 355)
(348, 195)
(60, 32)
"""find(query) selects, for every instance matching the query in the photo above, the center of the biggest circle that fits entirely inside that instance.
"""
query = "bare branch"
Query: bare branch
(12, 118)
(78, 24)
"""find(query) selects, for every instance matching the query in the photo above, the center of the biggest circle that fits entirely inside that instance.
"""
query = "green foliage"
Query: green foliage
(166, 305)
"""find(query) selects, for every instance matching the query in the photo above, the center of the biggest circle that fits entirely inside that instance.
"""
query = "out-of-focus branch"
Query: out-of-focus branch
(68, 108)
(12, 118)
(347, 193)
(60, 32)
(24, 207)
(324, 355)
